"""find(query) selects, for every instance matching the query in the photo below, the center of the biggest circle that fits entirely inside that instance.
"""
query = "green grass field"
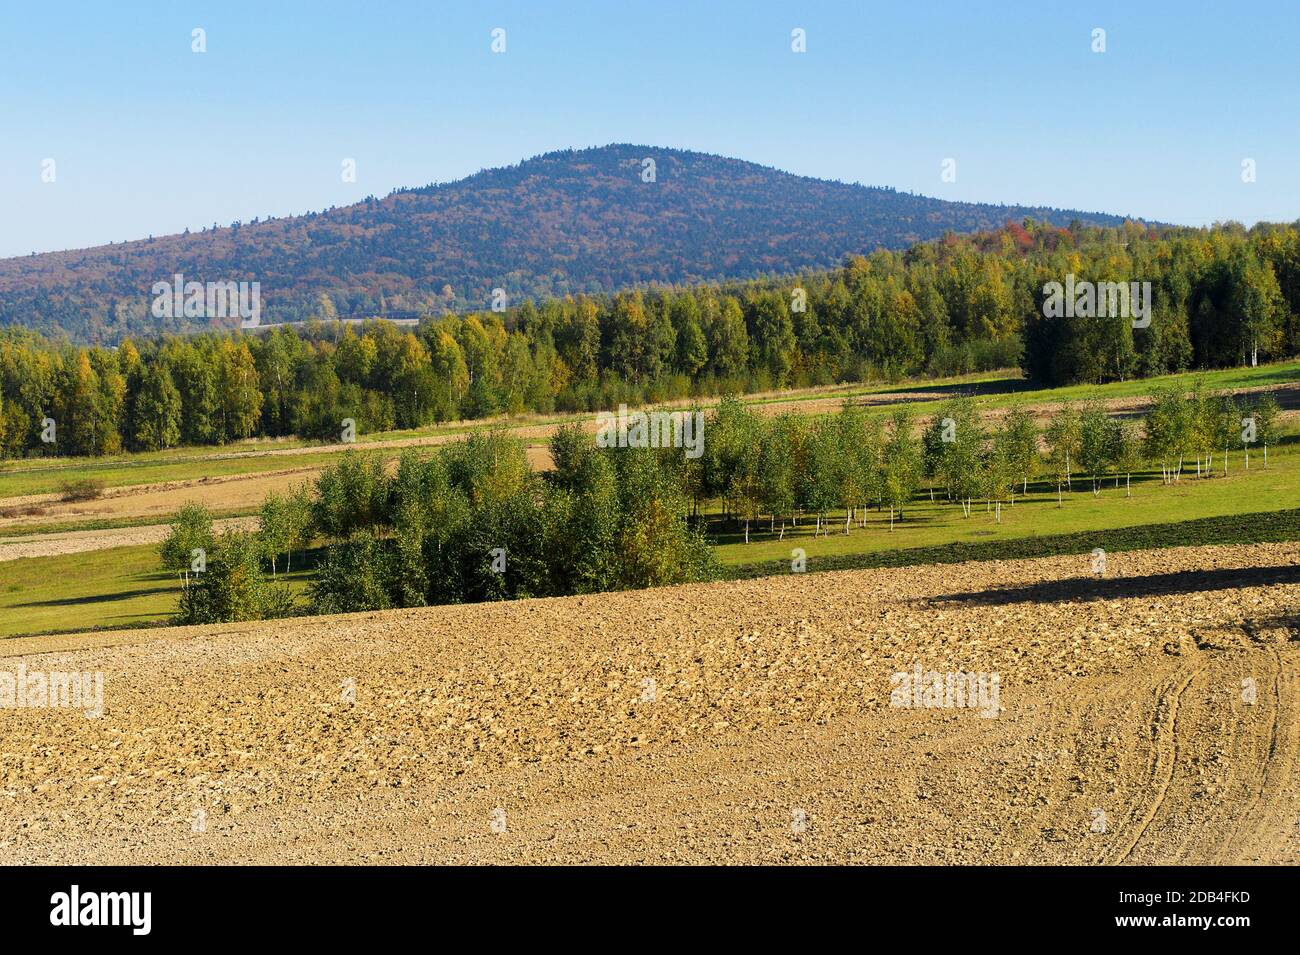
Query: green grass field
(98, 590)
(1268, 527)
(1258, 490)
(30, 477)
(998, 390)
(994, 390)
(1004, 388)
(122, 587)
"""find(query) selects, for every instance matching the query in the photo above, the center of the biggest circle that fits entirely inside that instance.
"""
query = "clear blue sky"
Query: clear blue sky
(149, 137)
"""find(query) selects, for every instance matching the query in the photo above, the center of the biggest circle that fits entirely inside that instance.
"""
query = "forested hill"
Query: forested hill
(566, 222)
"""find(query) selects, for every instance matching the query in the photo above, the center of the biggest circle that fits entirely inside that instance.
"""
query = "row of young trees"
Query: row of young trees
(1198, 425)
(789, 466)
(1221, 296)
(474, 522)
(786, 467)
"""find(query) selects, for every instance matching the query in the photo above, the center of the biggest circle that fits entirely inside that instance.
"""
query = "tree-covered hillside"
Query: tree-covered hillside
(1219, 297)
(567, 222)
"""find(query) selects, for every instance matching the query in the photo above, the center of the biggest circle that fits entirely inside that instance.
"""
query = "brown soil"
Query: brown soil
(162, 500)
(767, 735)
(79, 542)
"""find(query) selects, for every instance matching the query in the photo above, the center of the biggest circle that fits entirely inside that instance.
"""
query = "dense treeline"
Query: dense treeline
(1220, 297)
(473, 522)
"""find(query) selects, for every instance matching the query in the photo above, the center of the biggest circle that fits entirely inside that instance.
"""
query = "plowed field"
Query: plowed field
(1151, 715)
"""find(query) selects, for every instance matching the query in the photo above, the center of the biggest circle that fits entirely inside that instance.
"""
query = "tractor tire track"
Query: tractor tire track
(1255, 824)
(1164, 753)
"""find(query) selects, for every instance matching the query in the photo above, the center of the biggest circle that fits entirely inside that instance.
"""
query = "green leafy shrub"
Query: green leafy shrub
(231, 587)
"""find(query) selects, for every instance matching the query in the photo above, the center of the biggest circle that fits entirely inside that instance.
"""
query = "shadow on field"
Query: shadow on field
(96, 598)
(1118, 588)
(936, 392)
(1232, 529)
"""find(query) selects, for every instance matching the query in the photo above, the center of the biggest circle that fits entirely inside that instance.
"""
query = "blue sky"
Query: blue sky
(150, 138)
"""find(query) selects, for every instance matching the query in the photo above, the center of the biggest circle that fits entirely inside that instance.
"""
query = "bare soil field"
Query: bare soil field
(1149, 716)
(159, 500)
(162, 500)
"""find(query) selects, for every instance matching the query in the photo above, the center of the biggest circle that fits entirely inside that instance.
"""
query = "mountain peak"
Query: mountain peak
(570, 221)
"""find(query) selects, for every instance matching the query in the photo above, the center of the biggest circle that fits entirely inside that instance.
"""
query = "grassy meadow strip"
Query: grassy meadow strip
(1255, 528)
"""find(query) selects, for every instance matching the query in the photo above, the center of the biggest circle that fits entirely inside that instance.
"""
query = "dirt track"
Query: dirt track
(162, 500)
(79, 542)
(1121, 710)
